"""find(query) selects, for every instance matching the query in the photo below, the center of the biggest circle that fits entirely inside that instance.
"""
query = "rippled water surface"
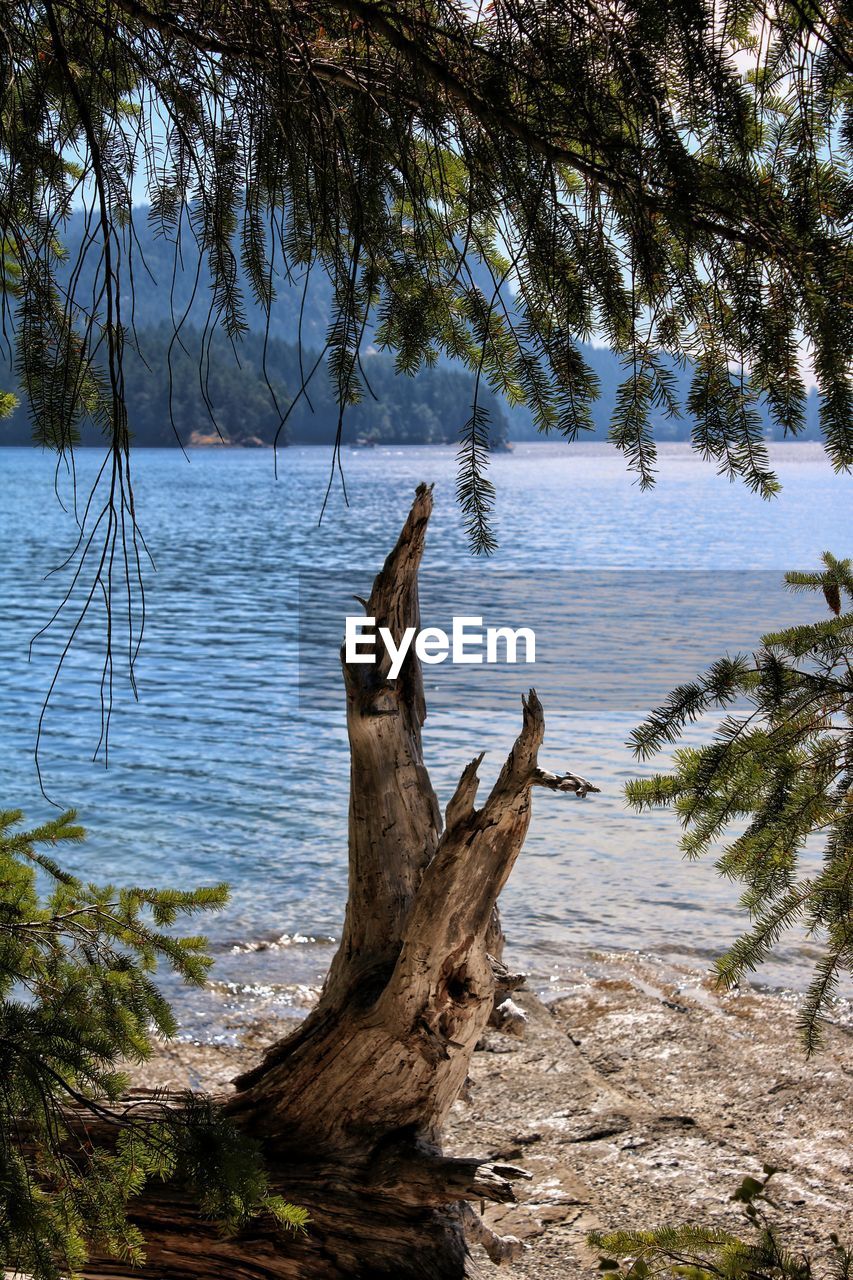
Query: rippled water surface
(233, 764)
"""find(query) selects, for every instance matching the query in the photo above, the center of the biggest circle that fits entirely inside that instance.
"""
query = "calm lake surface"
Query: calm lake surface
(232, 765)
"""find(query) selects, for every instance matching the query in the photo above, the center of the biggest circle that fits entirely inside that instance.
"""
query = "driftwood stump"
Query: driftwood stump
(350, 1107)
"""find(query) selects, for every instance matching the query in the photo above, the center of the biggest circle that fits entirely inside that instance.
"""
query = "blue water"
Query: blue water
(232, 765)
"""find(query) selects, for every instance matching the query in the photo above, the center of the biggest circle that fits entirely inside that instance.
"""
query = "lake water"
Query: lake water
(232, 765)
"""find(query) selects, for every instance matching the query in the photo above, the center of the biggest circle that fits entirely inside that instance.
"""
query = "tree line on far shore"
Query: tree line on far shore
(185, 392)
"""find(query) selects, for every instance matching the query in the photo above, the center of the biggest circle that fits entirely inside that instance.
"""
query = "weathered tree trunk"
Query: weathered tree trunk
(350, 1107)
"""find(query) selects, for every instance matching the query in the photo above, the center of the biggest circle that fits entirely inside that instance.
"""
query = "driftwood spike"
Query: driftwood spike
(349, 1109)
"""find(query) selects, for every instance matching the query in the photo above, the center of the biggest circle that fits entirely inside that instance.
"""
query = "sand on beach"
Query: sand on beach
(642, 1096)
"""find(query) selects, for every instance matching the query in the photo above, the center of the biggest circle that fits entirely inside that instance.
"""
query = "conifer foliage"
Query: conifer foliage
(774, 785)
(693, 1252)
(77, 1001)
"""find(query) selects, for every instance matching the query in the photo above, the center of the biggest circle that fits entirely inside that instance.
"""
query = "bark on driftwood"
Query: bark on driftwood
(350, 1107)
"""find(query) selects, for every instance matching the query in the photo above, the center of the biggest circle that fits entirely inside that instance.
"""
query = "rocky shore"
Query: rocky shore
(642, 1096)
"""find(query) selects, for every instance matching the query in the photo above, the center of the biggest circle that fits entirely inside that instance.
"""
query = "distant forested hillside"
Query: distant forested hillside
(213, 392)
(192, 393)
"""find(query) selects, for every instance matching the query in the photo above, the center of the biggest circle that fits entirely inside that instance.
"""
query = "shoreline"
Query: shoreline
(635, 1099)
(593, 448)
(231, 1004)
